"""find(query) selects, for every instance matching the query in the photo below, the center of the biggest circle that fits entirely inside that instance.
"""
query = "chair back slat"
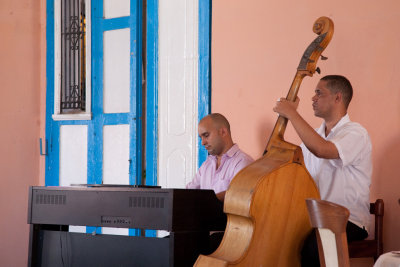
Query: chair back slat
(328, 215)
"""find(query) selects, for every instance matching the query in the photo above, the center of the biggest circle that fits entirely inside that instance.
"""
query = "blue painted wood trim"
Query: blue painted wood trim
(152, 92)
(135, 168)
(151, 96)
(95, 126)
(115, 23)
(204, 95)
(52, 131)
(136, 91)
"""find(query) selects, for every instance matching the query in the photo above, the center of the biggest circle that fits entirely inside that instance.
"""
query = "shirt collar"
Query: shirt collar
(345, 119)
(230, 153)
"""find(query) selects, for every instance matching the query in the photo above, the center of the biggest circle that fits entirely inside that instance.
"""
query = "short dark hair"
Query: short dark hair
(338, 83)
(219, 120)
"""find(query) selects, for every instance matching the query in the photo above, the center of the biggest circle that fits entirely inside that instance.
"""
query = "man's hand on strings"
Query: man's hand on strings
(286, 108)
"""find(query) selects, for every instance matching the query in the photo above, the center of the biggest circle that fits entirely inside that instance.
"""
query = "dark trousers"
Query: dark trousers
(309, 252)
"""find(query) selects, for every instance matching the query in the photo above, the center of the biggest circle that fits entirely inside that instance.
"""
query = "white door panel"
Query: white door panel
(116, 154)
(73, 154)
(116, 86)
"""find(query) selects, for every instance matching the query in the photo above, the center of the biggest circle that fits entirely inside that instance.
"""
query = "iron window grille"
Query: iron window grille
(72, 56)
(73, 60)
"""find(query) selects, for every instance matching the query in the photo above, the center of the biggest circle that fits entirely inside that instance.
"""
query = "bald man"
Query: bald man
(225, 158)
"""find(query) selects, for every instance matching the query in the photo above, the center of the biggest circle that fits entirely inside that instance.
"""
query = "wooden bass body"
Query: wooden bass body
(267, 215)
(265, 203)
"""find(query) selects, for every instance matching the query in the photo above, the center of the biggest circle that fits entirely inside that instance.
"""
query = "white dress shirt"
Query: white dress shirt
(346, 180)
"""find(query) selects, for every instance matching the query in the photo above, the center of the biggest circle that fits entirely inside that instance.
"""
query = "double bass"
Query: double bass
(265, 202)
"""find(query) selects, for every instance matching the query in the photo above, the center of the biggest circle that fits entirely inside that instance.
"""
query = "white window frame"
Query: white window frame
(87, 114)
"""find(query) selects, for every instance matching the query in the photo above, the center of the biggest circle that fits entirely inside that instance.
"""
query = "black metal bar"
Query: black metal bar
(73, 35)
(69, 52)
(79, 42)
(63, 52)
(83, 49)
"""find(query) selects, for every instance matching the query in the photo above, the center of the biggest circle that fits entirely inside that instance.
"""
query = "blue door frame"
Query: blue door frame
(95, 146)
(95, 134)
(204, 97)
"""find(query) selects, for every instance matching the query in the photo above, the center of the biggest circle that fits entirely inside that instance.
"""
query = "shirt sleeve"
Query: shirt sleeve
(195, 183)
(349, 145)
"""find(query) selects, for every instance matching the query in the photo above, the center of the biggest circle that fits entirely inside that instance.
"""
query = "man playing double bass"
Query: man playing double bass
(337, 155)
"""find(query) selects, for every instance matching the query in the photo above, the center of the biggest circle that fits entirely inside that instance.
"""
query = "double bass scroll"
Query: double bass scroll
(307, 67)
(265, 203)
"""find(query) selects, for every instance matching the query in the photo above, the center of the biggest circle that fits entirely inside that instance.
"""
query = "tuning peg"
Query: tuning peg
(318, 70)
(323, 58)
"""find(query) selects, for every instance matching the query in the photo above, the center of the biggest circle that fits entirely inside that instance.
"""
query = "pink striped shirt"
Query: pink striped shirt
(209, 177)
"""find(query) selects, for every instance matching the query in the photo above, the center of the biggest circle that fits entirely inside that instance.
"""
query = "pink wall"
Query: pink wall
(256, 48)
(21, 85)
